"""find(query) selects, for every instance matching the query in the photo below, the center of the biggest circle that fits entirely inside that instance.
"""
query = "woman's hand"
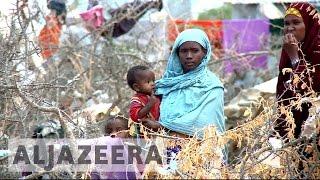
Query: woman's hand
(290, 45)
(154, 125)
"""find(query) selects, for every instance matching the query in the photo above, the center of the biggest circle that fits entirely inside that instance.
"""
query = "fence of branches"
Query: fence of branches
(85, 71)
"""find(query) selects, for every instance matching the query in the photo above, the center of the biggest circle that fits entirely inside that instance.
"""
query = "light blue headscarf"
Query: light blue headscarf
(193, 100)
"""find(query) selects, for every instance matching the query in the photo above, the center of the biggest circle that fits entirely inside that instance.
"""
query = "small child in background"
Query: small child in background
(144, 105)
(117, 127)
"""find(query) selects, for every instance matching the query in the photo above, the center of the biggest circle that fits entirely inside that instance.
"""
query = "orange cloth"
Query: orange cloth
(213, 28)
(49, 37)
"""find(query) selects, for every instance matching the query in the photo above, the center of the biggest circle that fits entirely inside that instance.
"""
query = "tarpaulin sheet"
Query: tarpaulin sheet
(245, 35)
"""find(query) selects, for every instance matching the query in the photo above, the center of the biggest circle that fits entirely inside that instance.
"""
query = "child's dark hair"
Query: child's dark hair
(120, 117)
(132, 72)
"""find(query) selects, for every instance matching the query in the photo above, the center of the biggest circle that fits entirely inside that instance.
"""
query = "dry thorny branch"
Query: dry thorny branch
(28, 96)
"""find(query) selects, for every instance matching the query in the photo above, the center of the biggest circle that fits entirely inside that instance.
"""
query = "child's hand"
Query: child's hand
(152, 99)
(147, 108)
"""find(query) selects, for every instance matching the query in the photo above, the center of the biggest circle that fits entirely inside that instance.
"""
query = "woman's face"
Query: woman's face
(295, 25)
(190, 54)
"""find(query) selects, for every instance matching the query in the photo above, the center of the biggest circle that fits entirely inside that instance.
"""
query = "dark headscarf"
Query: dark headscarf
(310, 46)
(311, 51)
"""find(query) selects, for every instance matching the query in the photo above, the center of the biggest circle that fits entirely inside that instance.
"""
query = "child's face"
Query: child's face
(117, 128)
(145, 83)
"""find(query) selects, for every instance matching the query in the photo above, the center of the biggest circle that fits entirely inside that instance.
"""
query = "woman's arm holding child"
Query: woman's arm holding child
(152, 124)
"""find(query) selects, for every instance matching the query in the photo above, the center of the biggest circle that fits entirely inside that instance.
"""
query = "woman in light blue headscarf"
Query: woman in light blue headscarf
(192, 96)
